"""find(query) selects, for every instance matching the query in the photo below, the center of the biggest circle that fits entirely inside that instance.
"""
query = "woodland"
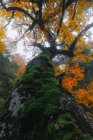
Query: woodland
(48, 96)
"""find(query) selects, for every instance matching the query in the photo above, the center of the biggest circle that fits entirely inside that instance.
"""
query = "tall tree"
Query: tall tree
(56, 27)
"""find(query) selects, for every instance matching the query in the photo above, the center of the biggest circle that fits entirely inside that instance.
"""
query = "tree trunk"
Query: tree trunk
(50, 113)
(67, 103)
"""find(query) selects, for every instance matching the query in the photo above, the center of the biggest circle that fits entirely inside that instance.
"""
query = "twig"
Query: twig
(74, 10)
(10, 19)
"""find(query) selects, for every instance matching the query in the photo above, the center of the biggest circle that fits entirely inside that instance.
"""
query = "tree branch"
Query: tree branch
(10, 19)
(40, 9)
(37, 21)
(32, 26)
(72, 46)
(16, 9)
(62, 16)
(41, 47)
(68, 3)
(63, 52)
(74, 10)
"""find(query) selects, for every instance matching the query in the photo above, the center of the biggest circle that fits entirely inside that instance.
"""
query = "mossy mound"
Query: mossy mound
(40, 117)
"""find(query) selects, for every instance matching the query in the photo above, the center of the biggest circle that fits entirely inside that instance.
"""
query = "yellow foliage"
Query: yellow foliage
(84, 58)
(84, 96)
(59, 69)
(2, 46)
(18, 14)
(56, 70)
(2, 36)
(2, 32)
(4, 13)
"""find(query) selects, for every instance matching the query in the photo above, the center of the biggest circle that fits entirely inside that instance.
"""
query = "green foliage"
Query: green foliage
(2, 102)
(65, 128)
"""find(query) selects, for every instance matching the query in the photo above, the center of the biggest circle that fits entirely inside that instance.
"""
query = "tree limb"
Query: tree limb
(16, 9)
(38, 21)
(41, 47)
(72, 46)
(68, 3)
(62, 16)
(63, 52)
(74, 10)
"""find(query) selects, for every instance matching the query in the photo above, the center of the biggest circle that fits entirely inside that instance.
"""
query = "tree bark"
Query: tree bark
(68, 104)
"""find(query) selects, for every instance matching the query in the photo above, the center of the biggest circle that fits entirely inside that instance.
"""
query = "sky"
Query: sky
(12, 34)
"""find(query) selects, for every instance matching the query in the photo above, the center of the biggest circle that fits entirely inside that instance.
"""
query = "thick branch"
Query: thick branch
(63, 52)
(16, 9)
(72, 46)
(41, 47)
(51, 40)
(37, 21)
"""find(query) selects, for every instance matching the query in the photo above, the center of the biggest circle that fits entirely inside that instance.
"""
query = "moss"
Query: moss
(2, 103)
(65, 128)
(39, 116)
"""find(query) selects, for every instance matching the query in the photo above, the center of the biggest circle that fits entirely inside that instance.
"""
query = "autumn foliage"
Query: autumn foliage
(75, 74)
(21, 65)
(2, 36)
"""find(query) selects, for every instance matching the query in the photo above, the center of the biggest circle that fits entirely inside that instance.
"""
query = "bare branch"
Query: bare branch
(62, 15)
(10, 19)
(75, 7)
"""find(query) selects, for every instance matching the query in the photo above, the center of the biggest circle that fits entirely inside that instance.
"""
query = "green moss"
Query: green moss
(65, 128)
(2, 103)
(39, 115)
